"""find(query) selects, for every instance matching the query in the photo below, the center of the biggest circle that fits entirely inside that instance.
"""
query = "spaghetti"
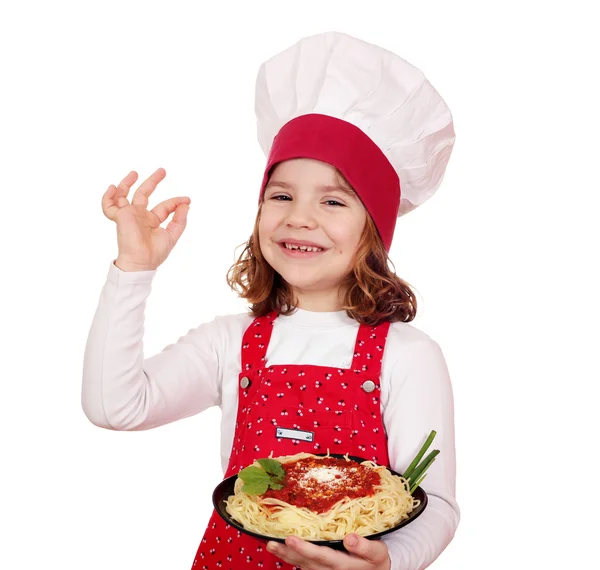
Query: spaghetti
(324, 498)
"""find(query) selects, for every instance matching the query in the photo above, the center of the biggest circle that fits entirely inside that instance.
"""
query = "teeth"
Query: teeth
(303, 247)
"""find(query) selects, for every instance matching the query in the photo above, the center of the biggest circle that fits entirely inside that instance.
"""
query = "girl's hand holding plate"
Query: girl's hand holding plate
(363, 554)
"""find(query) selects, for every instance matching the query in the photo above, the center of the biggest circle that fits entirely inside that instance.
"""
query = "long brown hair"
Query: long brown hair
(373, 293)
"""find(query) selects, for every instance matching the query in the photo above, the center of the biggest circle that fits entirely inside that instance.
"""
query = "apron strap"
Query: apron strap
(368, 350)
(256, 341)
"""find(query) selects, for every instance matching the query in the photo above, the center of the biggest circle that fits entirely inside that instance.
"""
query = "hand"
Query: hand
(143, 244)
(363, 554)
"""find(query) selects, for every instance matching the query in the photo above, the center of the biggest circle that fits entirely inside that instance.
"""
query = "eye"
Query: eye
(280, 197)
(334, 203)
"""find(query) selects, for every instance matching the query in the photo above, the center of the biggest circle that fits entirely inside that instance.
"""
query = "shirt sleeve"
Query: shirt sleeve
(419, 400)
(123, 391)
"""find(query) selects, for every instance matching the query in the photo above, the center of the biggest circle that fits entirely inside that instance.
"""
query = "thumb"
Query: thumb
(373, 551)
(176, 226)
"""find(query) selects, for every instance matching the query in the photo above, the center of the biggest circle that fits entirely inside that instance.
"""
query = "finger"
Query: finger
(287, 554)
(123, 189)
(373, 551)
(303, 554)
(176, 226)
(140, 198)
(109, 206)
(166, 208)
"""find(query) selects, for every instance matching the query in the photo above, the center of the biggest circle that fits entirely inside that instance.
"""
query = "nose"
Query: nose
(301, 215)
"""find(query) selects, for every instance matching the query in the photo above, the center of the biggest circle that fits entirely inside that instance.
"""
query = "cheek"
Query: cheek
(268, 221)
(354, 235)
(347, 239)
(265, 231)
(262, 239)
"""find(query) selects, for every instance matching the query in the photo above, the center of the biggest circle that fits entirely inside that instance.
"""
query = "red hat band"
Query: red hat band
(353, 153)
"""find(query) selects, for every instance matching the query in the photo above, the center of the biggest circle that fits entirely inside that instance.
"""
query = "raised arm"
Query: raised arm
(122, 390)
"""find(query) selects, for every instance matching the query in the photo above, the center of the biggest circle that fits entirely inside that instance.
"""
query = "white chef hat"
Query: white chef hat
(362, 109)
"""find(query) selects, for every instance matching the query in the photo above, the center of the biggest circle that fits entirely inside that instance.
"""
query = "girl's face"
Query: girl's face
(309, 230)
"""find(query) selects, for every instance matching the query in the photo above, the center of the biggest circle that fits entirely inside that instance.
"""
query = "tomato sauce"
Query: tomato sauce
(319, 483)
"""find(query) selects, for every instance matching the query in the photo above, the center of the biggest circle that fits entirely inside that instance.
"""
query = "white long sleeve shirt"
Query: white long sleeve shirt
(122, 390)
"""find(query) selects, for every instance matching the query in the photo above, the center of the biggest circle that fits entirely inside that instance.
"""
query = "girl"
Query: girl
(354, 136)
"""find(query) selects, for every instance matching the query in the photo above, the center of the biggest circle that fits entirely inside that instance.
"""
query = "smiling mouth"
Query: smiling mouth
(302, 248)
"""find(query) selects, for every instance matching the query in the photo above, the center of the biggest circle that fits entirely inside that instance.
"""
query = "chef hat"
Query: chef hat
(363, 109)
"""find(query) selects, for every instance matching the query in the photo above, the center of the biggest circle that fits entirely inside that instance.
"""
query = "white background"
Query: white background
(504, 258)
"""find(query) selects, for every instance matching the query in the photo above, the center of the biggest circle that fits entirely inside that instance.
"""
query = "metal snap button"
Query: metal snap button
(368, 386)
(245, 382)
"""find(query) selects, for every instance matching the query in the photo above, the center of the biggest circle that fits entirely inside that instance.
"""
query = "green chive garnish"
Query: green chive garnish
(416, 471)
(422, 451)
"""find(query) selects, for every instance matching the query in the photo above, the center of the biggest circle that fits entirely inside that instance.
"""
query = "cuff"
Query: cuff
(117, 276)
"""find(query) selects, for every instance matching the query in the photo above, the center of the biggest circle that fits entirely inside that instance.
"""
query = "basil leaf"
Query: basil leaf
(273, 467)
(253, 474)
(255, 488)
(257, 481)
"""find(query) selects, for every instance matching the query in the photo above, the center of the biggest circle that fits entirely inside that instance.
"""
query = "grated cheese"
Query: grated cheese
(322, 475)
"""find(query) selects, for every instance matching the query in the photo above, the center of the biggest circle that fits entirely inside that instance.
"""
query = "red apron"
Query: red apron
(288, 409)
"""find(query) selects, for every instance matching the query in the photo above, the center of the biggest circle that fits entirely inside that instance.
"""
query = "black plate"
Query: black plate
(224, 489)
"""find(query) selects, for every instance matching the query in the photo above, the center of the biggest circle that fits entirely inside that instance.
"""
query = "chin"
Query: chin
(304, 277)
(309, 282)
(300, 279)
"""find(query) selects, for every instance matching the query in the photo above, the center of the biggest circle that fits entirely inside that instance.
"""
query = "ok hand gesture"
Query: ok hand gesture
(143, 244)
